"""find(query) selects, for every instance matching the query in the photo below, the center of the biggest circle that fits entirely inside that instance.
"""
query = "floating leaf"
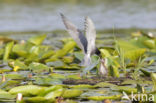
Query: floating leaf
(126, 46)
(90, 67)
(136, 34)
(76, 77)
(82, 86)
(105, 53)
(46, 54)
(125, 89)
(22, 49)
(34, 50)
(100, 98)
(8, 49)
(79, 55)
(47, 81)
(135, 54)
(114, 71)
(6, 95)
(104, 84)
(67, 47)
(72, 93)
(14, 76)
(68, 59)
(21, 65)
(9, 84)
(38, 67)
(146, 73)
(153, 76)
(37, 40)
(54, 94)
(26, 90)
(57, 76)
(55, 63)
(150, 44)
(5, 39)
(38, 100)
(50, 89)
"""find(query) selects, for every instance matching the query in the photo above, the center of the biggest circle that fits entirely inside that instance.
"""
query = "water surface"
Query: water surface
(43, 15)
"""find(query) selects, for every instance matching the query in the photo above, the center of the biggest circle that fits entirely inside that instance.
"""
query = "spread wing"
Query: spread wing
(75, 33)
(90, 35)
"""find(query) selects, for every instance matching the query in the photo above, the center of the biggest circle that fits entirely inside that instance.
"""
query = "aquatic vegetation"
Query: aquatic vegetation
(42, 74)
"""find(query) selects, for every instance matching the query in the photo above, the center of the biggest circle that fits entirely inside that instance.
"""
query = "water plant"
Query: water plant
(40, 74)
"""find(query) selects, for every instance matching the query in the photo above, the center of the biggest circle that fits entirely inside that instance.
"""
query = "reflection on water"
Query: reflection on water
(43, 15)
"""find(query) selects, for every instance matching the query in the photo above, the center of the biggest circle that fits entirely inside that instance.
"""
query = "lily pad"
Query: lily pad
(37, 40)
(26, 90)
(100, 98)
(72, 93)
(38, 67)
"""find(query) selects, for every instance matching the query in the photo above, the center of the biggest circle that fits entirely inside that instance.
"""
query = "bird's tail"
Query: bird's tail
(86, 60)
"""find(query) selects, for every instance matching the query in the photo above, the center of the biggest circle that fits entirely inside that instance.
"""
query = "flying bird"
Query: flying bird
(86, 43)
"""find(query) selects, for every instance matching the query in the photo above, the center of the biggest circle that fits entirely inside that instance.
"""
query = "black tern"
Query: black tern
(86, 43)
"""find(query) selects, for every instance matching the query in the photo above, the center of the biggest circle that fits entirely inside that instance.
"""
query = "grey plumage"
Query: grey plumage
(75, 33)
(87, 44)
(90, 35)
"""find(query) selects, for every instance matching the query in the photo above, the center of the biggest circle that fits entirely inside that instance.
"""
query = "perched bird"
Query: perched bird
(86, 43)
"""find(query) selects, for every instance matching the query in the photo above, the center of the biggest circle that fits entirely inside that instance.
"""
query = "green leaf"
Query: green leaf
(68, 59)
(72, 93)
(65, 50)
(79, 55)
(82, 86)
(58, 63)
(21, 65)
(146, 73)
(38, 100)
(90, 67)
(46, 54)
(135, 54)
(153, 76)
(47, 81)
(104, 84)
(34, 50)
(22, 49)
(26, 90)
(8, 49)
(14, 76)
(6, 95)
(57, 76)
(150, 44)
(100, 98)
(105, 53)
(37, 40)
(54, 94)
(38, 67)
(126, 46)
(76, 77)
(125, 89)
(114, 71)
(50, 89)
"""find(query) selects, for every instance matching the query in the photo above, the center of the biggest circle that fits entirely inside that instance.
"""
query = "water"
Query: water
(43, 15)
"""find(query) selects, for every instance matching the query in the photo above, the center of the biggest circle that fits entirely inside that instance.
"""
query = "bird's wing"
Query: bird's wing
(90, 35)
(75, 33)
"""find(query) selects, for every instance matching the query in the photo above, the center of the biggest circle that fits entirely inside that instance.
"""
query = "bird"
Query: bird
(85, 43)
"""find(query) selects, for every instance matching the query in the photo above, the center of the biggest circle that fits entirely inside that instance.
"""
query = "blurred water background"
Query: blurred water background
(43, 15)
